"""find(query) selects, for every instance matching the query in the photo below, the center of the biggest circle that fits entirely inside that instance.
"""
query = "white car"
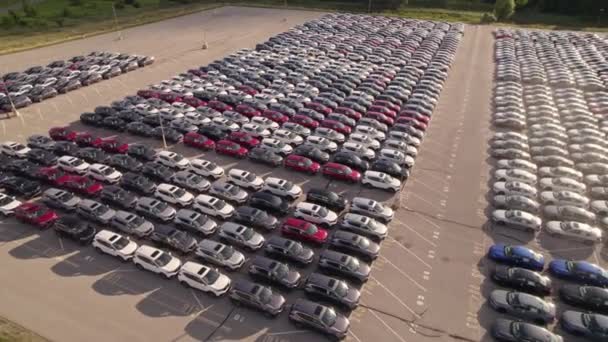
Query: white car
(365, 140)
(599, 207)
(245, 179)
(516, 164)
(172, 160)
(104, 173)
(287, 137)
(8, 204)
(282, 187)
(517, 219)
(574, 230)
(114, 244)
(371, 208)
(514, 188)
(321, 143)
(369, 131)
(157, 261)
(213, 206)
(397, 156)
(276, 146)
(560, 171)
(206, 168)
(510, 136)
(255, 130)
(264, 122)
(173, 194)
(203, 278)
(359, 149)
(224, 122)
(563, 198)
(73, 165)
(196, 118)
(328, 133)
(14, 149)
(504, 175)
(561, 183)
(315, 213)
(381, 180)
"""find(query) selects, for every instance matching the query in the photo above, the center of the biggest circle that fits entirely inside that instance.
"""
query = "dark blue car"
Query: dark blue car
(517, 256)
(579, 271)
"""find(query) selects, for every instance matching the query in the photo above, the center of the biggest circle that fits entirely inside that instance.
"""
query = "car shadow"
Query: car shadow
(45, 245)
(86, 263)
(126, 281)
(559, 249)
(12, 230)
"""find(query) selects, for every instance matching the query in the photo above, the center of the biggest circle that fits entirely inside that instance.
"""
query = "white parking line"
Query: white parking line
(429, 221)
(424, 200)
(410, 252)
(386, 325)
(404, 274)
(200, 305)
(351, 333)
(290, 332)
(415, 232)
(395, 296)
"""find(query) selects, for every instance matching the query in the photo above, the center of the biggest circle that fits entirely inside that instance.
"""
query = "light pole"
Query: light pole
(162, 130)
(600, 16)
(369, 6)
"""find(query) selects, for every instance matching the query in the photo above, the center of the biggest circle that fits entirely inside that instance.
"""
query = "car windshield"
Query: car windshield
(265, 295)
(295, 247)
(597, 324)
(323, 212)
(106, 171)
(5, 200)
(121, 243)
(247, 233)
(352, 264)
(210, 166)
(163, 259)
(340, 288)
(312, 229)
(249, 177)
(328, 317)
(280, 270)
(179, 192)
(362, 242)
(211, 277)
(218, 204)
(231, 189)
(227, 252)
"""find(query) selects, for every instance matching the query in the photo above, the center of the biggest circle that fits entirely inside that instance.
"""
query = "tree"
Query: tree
(520, 3)
(504, 9)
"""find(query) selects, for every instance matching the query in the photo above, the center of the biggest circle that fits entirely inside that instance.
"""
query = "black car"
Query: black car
(92, 119)
(105, 110)
(117, 196)
(92, 155)
(140, 129)
(21, 187)
(75, 229)
(311, 114)
(311, 152)
(585, 297)
(522, 279)
(265, 156)
(327, 199)
(213, 132)
(138, 183)
(130, 117)
(391, 168)
(65, 84)
(114, 123)
(65, 148)
(289, 249)
(174, 238)
(320, 286)
(269, 202)
(257, 296)
(254, 217)
(42, 157)
(355, 244)
(141, 152)
(171, 134)
(158, 171)
(22, 167)
(344, 265)
(39, 93)
(319, 317)
(351, 159)
(124, 163)
(274, 271)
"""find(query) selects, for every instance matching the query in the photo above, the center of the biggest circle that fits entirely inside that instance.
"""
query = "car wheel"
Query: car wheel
(97, 249)
(540, 321)
(501, 310)
(393, 190)
(502, 223)
(183, 283)
(167, 276)
(139, 266)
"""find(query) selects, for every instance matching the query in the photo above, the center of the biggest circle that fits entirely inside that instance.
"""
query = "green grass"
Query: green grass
(11, 332)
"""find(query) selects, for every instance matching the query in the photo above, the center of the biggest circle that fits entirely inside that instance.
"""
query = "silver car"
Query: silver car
(364, 225)
(60, 199)
(568, 213)
(517, 219)
(132, 224)
(220, 254)
(516, 202)
(522, 305)
(228, 191)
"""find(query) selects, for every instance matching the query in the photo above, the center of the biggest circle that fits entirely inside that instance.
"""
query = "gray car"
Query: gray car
(155, 209)
(219, 254)
(345, 265)
(319, 317)
(257, 296)
(332, 289)
(590, 325)
(364, 225)
(132, 224)
(522, 305)
(95, 211)
(190, 181)
(60, 199)
(354, 244)
(229, 192)
(241, 235)
(371, 208)
(195, 222)
(274, 271)
(568, 213)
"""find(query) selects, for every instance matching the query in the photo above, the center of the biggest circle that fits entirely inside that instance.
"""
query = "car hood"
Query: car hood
(173, 265)
(236, 259)
(341, 324)
(293, 277)
(499, 297)
(502, 329)
(364, 269)
(276, 301)
(129, 249)
(332, 217)
(222, 282)
(12, 205)
(574, 319)
(256, 240)
(497, 251)
(558, 266)
(107, 215)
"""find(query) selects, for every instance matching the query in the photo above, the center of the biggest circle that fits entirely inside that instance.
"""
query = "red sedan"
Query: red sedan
(193, 101)
(321, 108)
(301, 164)
(416, 115)
(341, 172)
(81, 185)
(148, 94)
(170, 97)
(380, 117)
(351, 113)
(199, 141)
(384, 110)
(247, 90)
(336, 126)
(305, 121)
(111, 145)
(304, 231)
(412, 121)
(230, 148)
(248, 111)
(36, 214)
(244, 139)
(275, 116)
(387, 104)
(219, 106)
(85, 139)
(53, 175)
(62, 133)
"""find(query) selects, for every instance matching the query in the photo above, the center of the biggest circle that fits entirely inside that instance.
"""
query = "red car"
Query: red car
(341, 172)
(36, 214)
(384, 110)
(219, 106)
(53, 175)
(199, 141)
(62, 133)
(380, 117)
(275, 116)
(301, 164)
(148, 94)
(85, 139)
(336, 126)
(387, 104)
(170, 97)
(247, 90)
(244, 139)
(351, 113)
(230, 148)
(111, 145)
(81, 184)
(248, 111)
(304, 231)
(196, 72)
(323, 109)
(412, 121)
(416, 115)
(305, 121)
(193, 101)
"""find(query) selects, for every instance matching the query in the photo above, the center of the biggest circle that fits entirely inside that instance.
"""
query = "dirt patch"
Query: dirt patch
(11, 332)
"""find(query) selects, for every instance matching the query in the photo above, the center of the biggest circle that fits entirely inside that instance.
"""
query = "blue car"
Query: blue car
(517, 256)
(579, 271)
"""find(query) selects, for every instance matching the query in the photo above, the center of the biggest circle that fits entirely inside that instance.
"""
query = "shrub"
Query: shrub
(28, 9)
(488, 18)
(136, 4)
(7, 21)
(60, 21)
(75, 2)
(504, 9)
(119, 5)
(66, 12)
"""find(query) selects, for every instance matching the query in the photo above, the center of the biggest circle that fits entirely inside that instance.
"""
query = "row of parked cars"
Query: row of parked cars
(549, 105)
(37, 83)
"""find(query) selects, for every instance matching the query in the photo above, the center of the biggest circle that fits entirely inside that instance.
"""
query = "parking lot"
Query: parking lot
(428, 284)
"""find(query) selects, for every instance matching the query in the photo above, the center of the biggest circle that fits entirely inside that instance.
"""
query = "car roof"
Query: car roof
(195, 268)
(106, 235)
(146, 250)
(308, 307)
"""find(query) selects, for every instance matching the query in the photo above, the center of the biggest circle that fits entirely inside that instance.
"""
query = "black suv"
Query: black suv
(319, 317)
(345, 265)
(351, 160)
(21, 187)
(254, 217)
(320, 286)
(355, 244)
(92, 155)
(158, 171)
(119, 197)
(125, 163)
(173, 238)
(257, 296)
(327, 199)
(141, 152)
(312, 152)
(391, 168)
(138, 183)
(289, 249)
(75, 229)
(274, 271)
(269, 202)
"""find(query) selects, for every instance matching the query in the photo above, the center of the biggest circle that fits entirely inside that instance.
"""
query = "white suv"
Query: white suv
(14, 149)
(157, 261)
(114, 244)
(282, 187)
(276, 146)
(213, 206)
(381, 180)
(104, 173)
(245, 179)
(173, 194)
(315, 213)
(73, 164)
(172, 160)
(203, 278)
(8, 204)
